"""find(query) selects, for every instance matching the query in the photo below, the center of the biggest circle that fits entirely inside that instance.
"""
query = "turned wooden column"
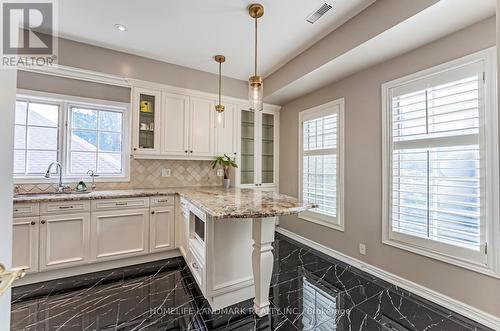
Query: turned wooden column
(262, 262)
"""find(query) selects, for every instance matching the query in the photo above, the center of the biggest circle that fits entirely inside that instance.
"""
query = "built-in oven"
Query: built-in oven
(197, 231)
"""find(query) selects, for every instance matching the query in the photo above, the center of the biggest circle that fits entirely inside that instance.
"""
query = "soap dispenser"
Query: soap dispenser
(81, 186)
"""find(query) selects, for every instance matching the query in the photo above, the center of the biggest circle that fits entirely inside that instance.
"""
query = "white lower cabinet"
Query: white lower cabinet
(119, 233)
(25, 243)
(161, 229)
(64, 240)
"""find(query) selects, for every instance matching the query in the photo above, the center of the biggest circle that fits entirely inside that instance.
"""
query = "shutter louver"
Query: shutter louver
(320, 163)
(436, 163)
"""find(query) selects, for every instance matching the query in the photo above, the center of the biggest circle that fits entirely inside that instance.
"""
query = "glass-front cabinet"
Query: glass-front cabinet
(146, 108)
(258, 146)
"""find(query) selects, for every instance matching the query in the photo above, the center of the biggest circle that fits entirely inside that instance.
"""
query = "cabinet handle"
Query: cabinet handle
(152, 213)
(65, 207)
(120, 204)
(162, 201)
(33, 222)
(43, 222)
(195, 265)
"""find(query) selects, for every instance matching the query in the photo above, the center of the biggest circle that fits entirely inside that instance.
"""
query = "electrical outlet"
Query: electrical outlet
(220, 172)
(362, 249)
(165, 172)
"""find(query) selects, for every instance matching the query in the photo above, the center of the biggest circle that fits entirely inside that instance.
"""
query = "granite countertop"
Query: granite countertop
(215, 201)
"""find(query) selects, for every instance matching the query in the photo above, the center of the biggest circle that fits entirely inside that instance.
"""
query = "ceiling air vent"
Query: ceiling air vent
(318, 13)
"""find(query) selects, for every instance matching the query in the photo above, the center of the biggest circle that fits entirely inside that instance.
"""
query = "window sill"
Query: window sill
(323, 220)
(443, 257)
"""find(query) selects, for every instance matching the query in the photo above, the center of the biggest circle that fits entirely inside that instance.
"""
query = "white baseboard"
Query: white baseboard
(93, 267)
(426, 293)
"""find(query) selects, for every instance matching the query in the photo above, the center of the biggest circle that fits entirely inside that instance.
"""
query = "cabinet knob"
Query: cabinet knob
(152, 213)
(135, 148)
(33, 222)
(185, 151)
(191, 152)
(43, 222)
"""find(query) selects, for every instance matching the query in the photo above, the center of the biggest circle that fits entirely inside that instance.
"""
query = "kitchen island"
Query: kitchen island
(225, 236)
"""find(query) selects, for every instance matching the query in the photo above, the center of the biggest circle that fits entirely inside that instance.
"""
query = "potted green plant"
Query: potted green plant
(226, 163)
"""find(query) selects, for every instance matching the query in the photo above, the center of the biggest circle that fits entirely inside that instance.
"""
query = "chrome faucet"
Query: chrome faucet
(60, 186)
(92, 174)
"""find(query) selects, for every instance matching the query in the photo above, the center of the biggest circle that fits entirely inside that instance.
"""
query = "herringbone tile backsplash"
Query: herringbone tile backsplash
(147, 174)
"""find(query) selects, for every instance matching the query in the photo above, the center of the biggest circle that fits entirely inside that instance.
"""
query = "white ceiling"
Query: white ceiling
(191, 32)
(437, 21)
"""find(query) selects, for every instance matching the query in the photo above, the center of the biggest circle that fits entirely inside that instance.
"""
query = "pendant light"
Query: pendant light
(255, 87)
(219, 108)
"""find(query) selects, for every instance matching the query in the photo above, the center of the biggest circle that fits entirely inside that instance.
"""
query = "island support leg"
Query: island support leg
(262, 262)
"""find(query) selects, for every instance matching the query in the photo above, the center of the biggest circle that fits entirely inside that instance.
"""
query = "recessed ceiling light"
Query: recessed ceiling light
(121, 27)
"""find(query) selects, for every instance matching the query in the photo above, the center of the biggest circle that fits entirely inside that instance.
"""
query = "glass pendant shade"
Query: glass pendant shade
(256, 94)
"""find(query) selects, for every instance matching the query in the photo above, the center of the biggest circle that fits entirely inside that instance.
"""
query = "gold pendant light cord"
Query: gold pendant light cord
(220, 80)
(255, 46)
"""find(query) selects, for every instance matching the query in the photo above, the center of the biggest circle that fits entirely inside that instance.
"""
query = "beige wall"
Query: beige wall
(85, 56)
(67, 86)
(363, 171)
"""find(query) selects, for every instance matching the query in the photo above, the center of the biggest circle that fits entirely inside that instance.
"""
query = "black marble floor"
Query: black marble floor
(309, 291)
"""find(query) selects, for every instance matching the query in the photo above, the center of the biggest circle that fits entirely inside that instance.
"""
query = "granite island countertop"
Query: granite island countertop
(215, 201)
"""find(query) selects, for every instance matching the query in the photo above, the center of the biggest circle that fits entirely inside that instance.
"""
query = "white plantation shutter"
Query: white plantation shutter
(320, 156)
(437, 164)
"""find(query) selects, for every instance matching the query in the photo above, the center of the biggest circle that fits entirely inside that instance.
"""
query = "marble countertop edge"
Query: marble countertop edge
(215, 201)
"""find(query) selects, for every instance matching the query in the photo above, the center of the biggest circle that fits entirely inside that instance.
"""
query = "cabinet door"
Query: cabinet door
(202, 127)
(175, 124)
(248, 158)
(119, 233)
(225, 131)
(146, 124)
(25, 244)
(268, 149)
(64, 240)
(161, 229)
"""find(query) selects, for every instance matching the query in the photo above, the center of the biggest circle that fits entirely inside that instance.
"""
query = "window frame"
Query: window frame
(434, 249)
(336, 223)
(66, 102)
(60, 131)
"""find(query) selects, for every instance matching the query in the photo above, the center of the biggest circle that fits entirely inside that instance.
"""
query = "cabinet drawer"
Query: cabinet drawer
(51, 208)
(167, 200)
(26, 209)
(198, 269)
(108, 204)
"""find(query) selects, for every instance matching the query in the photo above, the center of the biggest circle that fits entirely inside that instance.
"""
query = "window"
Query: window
(440, 140)
(81, 134)
(95, 141)
(36, 137)
(321, 163)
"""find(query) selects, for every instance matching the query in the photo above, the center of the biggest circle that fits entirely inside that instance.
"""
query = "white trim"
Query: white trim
(443, 300)
(65, 101)
(95, 266)
(77, 73)
(338, 222)
(109, 79)
(491, 267)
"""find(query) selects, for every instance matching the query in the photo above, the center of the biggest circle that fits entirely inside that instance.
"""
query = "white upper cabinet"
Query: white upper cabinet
(202, 127)
(172, 123)
(226, 128)
(175, 128)
(258, 157)
(146, 121)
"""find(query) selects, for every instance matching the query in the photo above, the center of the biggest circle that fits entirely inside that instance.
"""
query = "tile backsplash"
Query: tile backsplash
(147, 174)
